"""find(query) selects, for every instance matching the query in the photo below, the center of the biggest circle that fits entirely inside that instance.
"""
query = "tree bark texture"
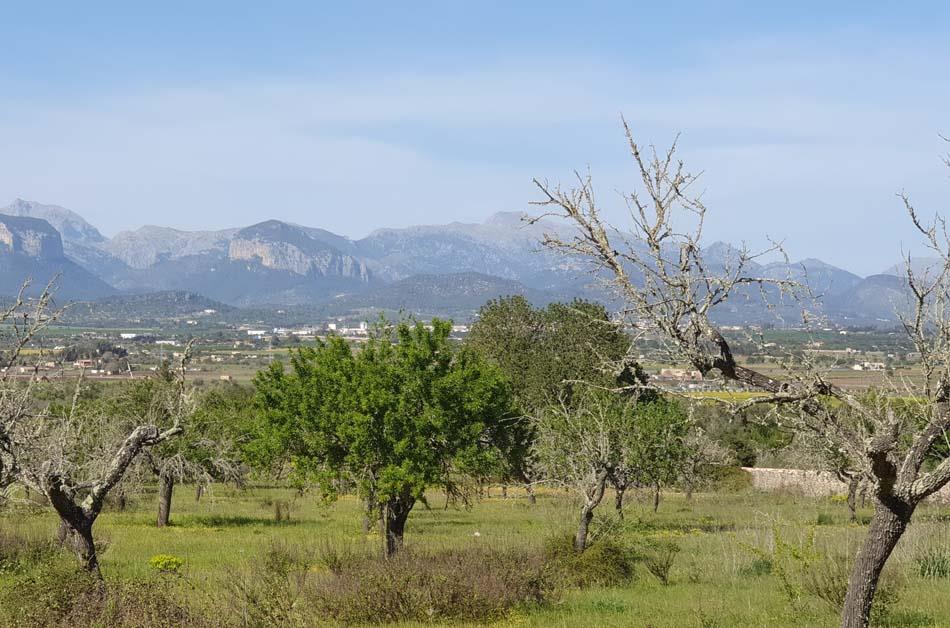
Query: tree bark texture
(890, 520)
(166, 486)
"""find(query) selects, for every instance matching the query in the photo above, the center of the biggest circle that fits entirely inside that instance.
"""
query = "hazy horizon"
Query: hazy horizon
(356, 119)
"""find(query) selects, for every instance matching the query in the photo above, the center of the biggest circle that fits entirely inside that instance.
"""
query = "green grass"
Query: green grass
(714, 580)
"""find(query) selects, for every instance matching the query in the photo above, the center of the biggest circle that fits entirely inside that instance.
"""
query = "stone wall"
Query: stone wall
(811, 483)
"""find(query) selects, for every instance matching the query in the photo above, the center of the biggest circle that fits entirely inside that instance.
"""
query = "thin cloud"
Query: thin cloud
(789, 137)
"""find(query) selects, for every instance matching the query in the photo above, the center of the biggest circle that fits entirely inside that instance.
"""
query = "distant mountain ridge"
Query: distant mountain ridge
(71, 226)
(30, 248)
(427, 268)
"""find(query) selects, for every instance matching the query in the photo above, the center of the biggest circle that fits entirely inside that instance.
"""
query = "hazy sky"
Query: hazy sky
(350, 116)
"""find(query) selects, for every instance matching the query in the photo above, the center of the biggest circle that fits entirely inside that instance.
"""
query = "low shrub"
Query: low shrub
(58, 593)
(760, 566)
(605, 562)
(472, 584)
(270, 593)
(685, 525)
(336, 556)
(151, 603)
(658, 557)
(729, 480)
(290, 586)
(827, 580)
(281, 510)
(47, 594)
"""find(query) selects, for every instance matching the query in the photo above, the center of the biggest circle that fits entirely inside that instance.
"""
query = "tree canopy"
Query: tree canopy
(405, 411)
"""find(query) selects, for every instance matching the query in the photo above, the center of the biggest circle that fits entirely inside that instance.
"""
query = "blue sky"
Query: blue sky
(806, 120)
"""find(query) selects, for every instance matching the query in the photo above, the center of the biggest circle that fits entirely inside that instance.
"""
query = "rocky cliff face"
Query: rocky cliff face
(30, 248)
(148, 245)
(31, 237)
(280, 246)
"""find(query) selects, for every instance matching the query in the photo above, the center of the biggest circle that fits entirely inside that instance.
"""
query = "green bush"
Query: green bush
(729, 480)
(605, 562)
(166, 563)
(658, 557)
(760, 566)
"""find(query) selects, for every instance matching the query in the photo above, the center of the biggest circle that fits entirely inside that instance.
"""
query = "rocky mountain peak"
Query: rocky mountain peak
(31, 237)
(281, 246)
(70, 225)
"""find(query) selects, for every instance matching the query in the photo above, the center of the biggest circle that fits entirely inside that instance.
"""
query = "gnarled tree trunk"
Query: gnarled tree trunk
(890, 520)
(395, 515)
(166, 485)
(75, 525)
(593, 497)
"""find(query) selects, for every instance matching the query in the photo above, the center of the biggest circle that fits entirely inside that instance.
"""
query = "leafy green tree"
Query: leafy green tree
(405, 412)
(546, 352)
(654, 451)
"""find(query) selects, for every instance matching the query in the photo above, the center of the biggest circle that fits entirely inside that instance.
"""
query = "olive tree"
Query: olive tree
(671, 290)
(404, 412)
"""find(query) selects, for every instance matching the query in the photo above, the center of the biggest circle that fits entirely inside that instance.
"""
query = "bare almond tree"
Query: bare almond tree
(700, 454)
(73, 458)
(578, 445)
(20, 322)
(671, 290)
(206, 453)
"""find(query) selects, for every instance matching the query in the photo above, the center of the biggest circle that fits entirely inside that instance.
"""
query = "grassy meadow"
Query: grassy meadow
(738, 565)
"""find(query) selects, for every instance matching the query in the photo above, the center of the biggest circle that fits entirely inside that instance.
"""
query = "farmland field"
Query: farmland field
(735, 567)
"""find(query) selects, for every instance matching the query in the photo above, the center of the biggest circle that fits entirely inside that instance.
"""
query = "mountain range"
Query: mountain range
(448, 269)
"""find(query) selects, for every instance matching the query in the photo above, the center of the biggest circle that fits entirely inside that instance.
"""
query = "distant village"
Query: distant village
(231, 351)
(221, 353)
